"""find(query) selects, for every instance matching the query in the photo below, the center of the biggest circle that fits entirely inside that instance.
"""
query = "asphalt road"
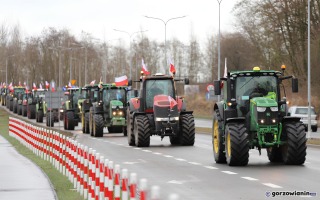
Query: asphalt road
(192, 173)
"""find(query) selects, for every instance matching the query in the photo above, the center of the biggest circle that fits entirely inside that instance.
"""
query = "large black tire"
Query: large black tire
(50, 119)
(187, 130)
(24, 110)
(86, 122)
(98, 125)
(124, 130)
(91, 121)
(142, 131)
(130, 135)
(31, 112)
(237, 144)
(40, 116)
(274, 154)
(174, 140)
(15, 107)
(70, 120)
(295, 150)
(218, 139)
(19, 111)
(314, 128)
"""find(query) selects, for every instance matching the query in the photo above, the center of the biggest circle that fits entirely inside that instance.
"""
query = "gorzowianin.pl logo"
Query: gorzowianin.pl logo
(290, 193)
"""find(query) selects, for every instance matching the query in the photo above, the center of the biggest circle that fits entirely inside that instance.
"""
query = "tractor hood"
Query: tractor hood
(264, 102)
(116, 103)
(164, 107)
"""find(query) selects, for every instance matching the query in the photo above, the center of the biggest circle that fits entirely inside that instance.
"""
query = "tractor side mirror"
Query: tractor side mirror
(295, 87)
(217, 89)
(135, 93)
(186, 81)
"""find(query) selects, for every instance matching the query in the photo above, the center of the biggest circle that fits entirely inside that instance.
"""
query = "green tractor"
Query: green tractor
(39, 96)
(16, 91)
(89, 94)
(71, 108)
(109, 110)
(252, 114)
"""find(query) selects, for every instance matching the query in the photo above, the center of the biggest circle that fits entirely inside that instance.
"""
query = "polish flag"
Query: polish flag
(144, 68)
(10, 86)
(40, 86)
(121, 81)
(20, 83)
(34, 86)
(27, 89)
(92, 82)
(47, 85)
(53, 86)
(25, 84)
(172, 102)
(172, 69)
(69, 85)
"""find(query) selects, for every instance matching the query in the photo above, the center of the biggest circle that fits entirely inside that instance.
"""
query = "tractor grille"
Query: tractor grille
(268, 117)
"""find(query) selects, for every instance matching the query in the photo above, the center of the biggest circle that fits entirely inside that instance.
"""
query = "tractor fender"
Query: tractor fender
(290, 118)
(134, 104)
(219, 106)
(186, 112)
(236, 119)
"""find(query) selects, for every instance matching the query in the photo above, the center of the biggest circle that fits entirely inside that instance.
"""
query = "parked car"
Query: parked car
(302, 112)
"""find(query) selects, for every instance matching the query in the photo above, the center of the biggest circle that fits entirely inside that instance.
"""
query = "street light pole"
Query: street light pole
(219, 1)
(165, 32)
(130, 36)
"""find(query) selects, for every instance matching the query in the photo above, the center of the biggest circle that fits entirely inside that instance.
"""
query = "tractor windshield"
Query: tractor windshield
(114, 94)
(156, 87)
(254, 86)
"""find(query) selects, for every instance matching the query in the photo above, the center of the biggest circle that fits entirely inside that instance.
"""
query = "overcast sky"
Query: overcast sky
(100, 17)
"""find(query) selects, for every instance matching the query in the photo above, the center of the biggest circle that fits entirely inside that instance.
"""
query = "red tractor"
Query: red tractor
(159, 111)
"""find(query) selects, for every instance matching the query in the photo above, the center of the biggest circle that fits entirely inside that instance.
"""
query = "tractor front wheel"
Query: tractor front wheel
(130, 135)
(40, 116)
(187, 130)
(50, 120)
(274, 154)
(86, 122)
(98, 125)
(294, 151)
(142, 131)
(70, 120)
(237, 144)
(218, 139)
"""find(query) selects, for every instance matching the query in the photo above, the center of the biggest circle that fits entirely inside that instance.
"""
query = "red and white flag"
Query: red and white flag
(225, 74)
(47, 85)
(172, 102)
(10, 86)
(121, 81)
(25, 84)
(92, 82)
(69, 85)
(144, 68)
(53, 86)
(20, 83)
(40, 86)
(34, 86)
(172, 69)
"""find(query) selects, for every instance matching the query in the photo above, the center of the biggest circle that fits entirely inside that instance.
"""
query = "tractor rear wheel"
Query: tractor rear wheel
(14, 107)
(98, 125)
(237, 144)
(294, 151)
(218, 139)
(174, 140)
(187, 130)
(19, 112)
(91, 121)
(69, 120)
(130, 135)
(24, 110)
(32, 111)
(142, 131)
(274, 154)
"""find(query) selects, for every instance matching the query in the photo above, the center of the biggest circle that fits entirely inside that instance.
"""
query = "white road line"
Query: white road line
(271, 185)
(157, 153)
(147, 151)
(210, 167)
(175, 182)
(180, 159)
(194, 163)
(229, 172)
(167, 156)
(249, 178)
(137, 148)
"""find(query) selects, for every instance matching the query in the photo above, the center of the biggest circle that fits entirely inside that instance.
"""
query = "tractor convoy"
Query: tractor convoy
(252, 113)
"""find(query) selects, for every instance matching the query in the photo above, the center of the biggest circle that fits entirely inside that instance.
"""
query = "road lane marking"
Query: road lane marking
(137, 148)
(210, 167)
(271, 185)
(229, 172)
(167, 156)
(180, 159)
(249, 178)
(194, 163)
(157, 153)
(175, 182)
(148, 151)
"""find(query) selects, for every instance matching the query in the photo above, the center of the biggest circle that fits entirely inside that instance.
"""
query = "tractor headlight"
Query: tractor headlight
(274, 109)
(120, 113)
(274, 121)
(261, 109)
(262, 121)
(114, 113)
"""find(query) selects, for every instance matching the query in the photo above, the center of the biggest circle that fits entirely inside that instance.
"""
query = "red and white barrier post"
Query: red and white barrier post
(110, 177)
(133, 186)
(97, 177)
(85, 172)
(143, 189)
(117, 182)
(106, 179)
(155, 193)
(101, 178)
(124, 184)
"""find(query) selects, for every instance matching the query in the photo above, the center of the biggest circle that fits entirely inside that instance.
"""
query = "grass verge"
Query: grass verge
(63, 187)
